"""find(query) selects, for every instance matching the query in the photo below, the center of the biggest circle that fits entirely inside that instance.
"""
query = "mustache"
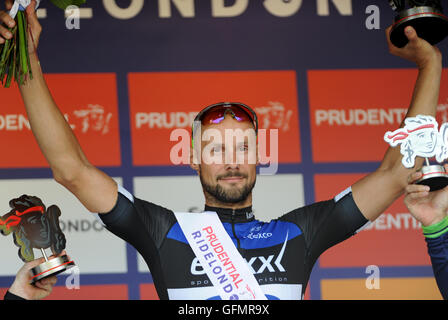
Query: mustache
(231, 175)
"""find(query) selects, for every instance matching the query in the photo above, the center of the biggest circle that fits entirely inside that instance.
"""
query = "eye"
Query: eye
(32, 220)
(217, 149)
(243, 148)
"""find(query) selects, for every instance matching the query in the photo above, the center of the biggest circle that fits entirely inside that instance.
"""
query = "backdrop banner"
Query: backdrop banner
(128, 73)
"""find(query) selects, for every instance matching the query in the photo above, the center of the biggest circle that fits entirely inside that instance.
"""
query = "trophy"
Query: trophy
(420, 137)
(425, 16)
(34, 226)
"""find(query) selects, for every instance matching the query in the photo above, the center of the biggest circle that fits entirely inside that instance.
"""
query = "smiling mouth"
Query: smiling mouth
(232, 179)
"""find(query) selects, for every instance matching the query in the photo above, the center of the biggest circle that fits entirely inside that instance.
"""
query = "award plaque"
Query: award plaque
(35, 227)
(425, 16)
(420, 137)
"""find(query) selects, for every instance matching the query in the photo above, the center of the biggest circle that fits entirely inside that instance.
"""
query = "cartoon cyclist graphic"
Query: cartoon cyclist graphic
(420, 137)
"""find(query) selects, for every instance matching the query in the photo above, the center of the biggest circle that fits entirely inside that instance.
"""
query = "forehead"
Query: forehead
(230, 125)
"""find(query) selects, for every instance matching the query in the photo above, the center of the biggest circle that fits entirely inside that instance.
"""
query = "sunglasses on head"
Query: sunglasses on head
(216, 113)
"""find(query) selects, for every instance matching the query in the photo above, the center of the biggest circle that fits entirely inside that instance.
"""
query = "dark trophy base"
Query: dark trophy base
(51, 267)
(430, 25)
(434, 177)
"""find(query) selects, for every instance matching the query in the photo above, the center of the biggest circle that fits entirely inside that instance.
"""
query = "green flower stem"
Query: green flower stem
(5, 50)
(22, 42)
(28, 61)
(10, 72)
(8, 54)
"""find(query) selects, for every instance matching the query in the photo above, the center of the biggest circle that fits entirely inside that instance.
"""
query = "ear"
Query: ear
(258, 155)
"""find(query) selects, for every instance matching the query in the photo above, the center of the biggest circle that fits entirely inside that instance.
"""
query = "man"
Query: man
(431, 209)
(281, 263)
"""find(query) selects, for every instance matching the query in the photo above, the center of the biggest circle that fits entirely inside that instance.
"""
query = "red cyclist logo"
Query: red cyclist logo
(420, 137)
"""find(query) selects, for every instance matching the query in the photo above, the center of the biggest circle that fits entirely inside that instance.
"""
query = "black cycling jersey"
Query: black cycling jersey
(281, 253)
(438, 251)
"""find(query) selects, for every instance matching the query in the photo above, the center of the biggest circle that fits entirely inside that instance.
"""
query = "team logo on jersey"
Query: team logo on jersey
(270, 263)
(259, 235)
(254, 233)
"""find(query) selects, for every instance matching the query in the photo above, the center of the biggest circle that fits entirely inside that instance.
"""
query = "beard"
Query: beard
(228, 195)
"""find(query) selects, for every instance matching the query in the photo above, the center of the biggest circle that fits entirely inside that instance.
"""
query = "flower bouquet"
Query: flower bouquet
(14, 57)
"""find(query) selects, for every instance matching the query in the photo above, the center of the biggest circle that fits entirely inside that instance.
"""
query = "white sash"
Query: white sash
(224, 265)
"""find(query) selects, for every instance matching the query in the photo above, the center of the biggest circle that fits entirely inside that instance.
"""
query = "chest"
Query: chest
(274, 253)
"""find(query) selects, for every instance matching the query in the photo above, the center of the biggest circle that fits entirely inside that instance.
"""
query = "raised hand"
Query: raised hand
(417, 50)
(6, 22)
(427, 207)
(34, 27)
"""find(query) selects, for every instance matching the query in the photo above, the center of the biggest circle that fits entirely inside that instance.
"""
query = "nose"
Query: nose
(230, 159)
(232, 165)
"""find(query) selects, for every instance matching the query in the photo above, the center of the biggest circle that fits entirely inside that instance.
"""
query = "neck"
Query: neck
(213, 202)
(233, 215)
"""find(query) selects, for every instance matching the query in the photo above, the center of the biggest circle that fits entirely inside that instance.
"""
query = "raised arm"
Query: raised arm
(374, 193)
(96, 190)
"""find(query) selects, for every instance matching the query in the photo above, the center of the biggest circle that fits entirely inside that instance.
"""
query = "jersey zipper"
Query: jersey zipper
(233, 229)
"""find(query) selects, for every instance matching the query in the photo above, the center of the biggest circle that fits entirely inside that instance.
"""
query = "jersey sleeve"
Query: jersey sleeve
(327, 223)
(144, 225)
(438, 251)
(138, 222)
